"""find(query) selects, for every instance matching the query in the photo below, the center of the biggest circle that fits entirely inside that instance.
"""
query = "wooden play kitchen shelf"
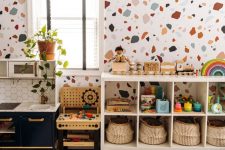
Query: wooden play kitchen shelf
(199, 88)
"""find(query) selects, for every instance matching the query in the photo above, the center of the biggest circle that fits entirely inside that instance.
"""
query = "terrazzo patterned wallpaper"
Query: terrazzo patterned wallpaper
(13, 28)
(157, 30)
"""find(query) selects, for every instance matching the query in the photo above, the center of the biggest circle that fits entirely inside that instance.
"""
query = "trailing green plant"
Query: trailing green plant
(30, 51)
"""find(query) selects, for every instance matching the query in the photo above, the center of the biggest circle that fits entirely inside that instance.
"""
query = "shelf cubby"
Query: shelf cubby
(132, 144)
(167, 123)
(202, 124)
(167, 91)
(198, 91)
(126, 90)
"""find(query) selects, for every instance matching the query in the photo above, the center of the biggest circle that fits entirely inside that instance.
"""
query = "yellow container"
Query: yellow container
(187, 107)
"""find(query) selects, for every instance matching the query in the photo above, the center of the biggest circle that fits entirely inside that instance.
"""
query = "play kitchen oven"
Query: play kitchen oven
(23, 69)
(8, 131)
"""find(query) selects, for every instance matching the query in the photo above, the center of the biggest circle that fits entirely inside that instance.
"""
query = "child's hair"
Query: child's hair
(119, 48)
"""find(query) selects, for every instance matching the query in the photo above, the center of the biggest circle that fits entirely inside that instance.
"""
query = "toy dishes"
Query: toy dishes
(217, 107)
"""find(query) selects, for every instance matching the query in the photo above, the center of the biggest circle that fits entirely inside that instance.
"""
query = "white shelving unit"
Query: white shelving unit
(200, 91)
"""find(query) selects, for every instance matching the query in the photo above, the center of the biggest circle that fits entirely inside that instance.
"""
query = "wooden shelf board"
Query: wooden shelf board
(160, 78)
(120, 114)
(154, 114)
(164, 145)
(212, 114)
(129, 145)
(189, 114)
(174, 145)
(214, 147)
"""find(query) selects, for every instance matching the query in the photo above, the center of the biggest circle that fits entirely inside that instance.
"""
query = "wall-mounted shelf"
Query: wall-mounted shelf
(198, 87)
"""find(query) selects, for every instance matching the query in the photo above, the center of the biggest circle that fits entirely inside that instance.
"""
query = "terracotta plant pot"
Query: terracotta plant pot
(47, 48)
(44, 99)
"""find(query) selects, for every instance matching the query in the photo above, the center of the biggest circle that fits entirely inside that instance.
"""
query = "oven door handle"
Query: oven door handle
(36, 120)
(6, 120)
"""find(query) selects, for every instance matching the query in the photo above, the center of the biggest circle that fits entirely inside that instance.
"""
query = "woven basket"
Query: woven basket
(152, 134)
(216, 133)
(119, 131)
(187, 134)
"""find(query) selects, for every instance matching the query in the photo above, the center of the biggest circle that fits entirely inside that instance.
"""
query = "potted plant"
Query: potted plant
(46, 41)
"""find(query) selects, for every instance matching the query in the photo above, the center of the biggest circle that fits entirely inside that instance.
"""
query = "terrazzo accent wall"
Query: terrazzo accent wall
(153, 30)
(13, 28)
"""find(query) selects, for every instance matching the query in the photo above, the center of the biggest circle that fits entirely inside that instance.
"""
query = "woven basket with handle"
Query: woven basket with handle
(216, 133)
(186, 133)
(119, 131)
(152, 134)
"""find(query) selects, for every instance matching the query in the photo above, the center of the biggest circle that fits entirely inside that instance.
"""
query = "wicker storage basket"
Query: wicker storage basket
(119, 131)
(186, 132)
(216, 133)
(152, 134)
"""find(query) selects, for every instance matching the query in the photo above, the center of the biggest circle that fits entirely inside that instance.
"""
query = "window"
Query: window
(77, 22)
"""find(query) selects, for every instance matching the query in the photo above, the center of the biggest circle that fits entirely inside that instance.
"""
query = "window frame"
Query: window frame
(76, 71)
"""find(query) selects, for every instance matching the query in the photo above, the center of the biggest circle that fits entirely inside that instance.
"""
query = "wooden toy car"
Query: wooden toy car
(151, 68)
(168, 68)
(119, 68)
(183, 69)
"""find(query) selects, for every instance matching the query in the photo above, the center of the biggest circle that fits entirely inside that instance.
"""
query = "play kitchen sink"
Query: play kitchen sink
(39, 107)
(8, 106)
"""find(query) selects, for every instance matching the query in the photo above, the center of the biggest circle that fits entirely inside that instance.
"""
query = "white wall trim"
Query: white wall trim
(30, 22)
(101, 35)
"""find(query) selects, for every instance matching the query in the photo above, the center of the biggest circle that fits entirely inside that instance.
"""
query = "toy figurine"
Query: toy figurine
(119, 66)
(119, 57)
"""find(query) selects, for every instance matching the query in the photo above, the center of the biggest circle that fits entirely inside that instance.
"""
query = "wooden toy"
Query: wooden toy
(197, 107)
(187, 106)
(147, 102)
(151, 68)
(131, 68)
(168, 68)
(217, 107)
(183, 69)
(118, 105)
(162, 106)
(210, 102)
(119, 65)
(139, 68)
(214, 67)
(178, 107)
(80, 111)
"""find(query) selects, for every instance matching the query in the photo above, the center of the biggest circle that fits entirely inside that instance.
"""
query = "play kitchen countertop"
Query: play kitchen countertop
(30, 107)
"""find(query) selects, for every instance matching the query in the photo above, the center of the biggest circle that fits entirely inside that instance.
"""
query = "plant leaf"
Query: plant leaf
(66, 64)
(48, 84)
(34, 91)
(63, 51)
(42, 90)
(53, 86)
(41, 68)
(47, 65)
(59, 73)
(43, 29)
(45, 76)
(59, 62)
(36, 86)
